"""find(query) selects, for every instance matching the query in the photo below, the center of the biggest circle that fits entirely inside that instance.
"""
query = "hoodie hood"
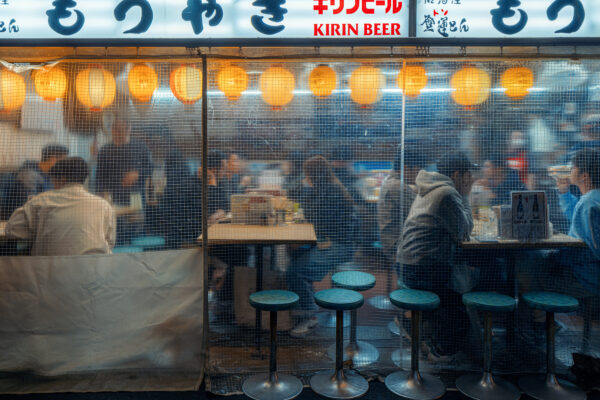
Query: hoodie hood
(429, 181)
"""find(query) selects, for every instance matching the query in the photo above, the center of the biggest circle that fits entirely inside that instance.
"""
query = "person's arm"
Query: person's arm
(111, 226)
(145, 164)
(567, 204)
(102, 166)
(456, 217)
(20, 224)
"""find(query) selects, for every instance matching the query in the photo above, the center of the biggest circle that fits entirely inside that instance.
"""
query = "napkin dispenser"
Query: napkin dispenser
(252, 209)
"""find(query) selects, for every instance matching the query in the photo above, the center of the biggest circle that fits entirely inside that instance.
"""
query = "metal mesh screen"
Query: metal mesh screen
(312, 169)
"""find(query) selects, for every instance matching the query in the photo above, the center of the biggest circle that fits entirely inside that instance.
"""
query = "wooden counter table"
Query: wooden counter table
(260, 236)
(559, 240)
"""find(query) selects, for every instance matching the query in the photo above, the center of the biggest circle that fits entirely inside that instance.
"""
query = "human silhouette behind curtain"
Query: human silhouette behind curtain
(329, 207)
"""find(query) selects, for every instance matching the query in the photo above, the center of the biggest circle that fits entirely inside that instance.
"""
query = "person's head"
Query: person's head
(457, 166)
(121, 131)
(234, 163)
(340, 156)
(518, 140)
(51, 154)
(216, 161)
(414, 161)
(591, 127)
(494, 168)
(68, 171)
(585, 172)
(318, 171)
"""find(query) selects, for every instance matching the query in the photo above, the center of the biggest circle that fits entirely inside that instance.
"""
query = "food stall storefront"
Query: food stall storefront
(222, 103)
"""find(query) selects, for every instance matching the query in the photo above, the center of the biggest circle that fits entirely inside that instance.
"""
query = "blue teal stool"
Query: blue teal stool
(361, 353)
(339, 384)
(412, 384)
(272, 385)
(329, 320)
(149, 242)
(486, 386)
(549, 387)
(392, 325)
(127, 249)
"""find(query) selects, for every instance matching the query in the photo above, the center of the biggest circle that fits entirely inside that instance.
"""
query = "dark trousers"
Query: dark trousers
(449, 323)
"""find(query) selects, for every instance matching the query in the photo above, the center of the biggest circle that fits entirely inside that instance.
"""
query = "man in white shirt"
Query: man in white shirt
(67, 220)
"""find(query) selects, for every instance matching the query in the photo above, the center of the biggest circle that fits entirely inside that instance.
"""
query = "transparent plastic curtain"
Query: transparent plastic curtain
(265, 120)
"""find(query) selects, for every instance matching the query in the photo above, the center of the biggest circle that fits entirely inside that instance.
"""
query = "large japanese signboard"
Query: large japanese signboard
(508, 18)
(202, 19)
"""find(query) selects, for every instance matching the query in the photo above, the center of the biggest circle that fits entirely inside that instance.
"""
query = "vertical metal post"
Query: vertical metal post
(487, 343)
(339, 340)
(550, 333)
(205, 258)
(412, 18)
(415, 333)
(273, 355)
(353, 319)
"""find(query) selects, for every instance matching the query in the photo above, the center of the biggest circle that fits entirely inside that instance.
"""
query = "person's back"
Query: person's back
(437, 220)
(65, 221)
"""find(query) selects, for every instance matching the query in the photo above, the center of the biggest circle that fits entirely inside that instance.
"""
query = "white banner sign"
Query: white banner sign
(508, 18)
(202, 19)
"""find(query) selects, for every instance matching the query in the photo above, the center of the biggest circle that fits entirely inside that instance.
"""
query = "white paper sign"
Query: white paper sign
(529, 215)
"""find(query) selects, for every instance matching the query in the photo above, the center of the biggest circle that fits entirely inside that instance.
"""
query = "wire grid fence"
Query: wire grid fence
(360, 142)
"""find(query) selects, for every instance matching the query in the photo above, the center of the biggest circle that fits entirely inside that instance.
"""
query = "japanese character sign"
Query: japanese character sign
(61, 11)
(147, 14)
(275, 10)
(505, 11)
(578, 14)
(194, 10)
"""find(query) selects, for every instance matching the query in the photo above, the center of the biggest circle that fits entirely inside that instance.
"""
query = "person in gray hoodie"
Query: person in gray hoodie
(440, 217)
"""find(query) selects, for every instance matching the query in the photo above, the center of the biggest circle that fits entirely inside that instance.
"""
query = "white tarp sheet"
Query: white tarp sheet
(102, 314)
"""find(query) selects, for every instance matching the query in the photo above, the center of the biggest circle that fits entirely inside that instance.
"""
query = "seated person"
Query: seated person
(67, 220)
(31, 179)
(499, 179)
(329, 207)
(439, 218)
(396, 198)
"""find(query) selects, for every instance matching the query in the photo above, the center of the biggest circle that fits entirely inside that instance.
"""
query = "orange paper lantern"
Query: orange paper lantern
(322, 81)
(412, 79)
(232, 81)
(277, 86)
(12, 90)
(365, 84)
(471, 86)
(517, 82)
(95, 88)
(186, 84)
(50, 83)
(142, 81)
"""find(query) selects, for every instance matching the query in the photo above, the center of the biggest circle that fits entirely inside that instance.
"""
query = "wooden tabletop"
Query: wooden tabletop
(3, 228)
(559, 240)
(259, 234)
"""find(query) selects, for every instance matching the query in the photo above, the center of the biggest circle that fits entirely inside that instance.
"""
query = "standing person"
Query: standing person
(67, 220)
(440, 217)
(500, 179)
(32, 178)
(122, 169)
(329, 207)
(396, 198)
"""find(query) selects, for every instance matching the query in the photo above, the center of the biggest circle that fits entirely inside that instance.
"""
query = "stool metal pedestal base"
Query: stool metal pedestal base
(401, 358)
(361, 353)
(549, 387)
(415, 386)
(487, 387)
(381, 303)
(339, 384)
(278, 387)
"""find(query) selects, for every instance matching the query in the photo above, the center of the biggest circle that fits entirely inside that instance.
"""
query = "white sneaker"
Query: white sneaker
(302, 328)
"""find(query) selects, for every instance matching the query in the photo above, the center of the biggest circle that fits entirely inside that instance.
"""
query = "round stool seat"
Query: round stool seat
(417, 300)
(353, 280)
(127, 249)
(489, 301)
(551, 302)
(339, 299)
(149, 242)
(273, 300)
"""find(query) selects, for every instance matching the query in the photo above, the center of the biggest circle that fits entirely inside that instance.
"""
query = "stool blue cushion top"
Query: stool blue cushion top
(418, 300)
(489, 301)
(353, 280)
(339, 299)
(273, 300)
(551, 302)
(148, 241)
(127, 249)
